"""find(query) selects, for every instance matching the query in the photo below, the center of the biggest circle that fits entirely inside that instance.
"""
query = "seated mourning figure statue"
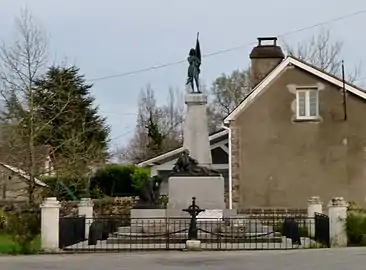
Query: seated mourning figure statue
(188, 166)
(150, 193)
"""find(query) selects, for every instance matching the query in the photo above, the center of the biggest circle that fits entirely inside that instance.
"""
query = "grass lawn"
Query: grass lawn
(7, 245)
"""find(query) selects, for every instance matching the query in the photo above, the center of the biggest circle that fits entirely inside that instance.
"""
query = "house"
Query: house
(14, 178)
(296, 135)
(14, 183)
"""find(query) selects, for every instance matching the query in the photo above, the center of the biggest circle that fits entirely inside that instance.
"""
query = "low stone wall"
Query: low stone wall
(69, 208)
(7, 205)
(278, 212)
(118, 206)
(113, 206)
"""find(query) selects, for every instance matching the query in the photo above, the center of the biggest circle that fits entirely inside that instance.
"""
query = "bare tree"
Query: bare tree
(322, 51)
(137, 148)
(166, 119)
(21, 64)
(227, 92)
(171, 119)
(75, 166)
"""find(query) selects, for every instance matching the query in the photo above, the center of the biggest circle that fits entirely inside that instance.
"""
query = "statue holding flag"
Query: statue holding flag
(194, 60)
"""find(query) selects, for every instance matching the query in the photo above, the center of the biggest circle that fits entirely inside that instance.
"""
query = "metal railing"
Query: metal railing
(322, 229)
(71, 231)
(121, 233)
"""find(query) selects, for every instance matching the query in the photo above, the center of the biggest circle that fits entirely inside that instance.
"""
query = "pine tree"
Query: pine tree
(155, 135)
(78, 135)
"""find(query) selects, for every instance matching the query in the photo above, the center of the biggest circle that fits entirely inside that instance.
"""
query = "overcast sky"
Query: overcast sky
(116, 36)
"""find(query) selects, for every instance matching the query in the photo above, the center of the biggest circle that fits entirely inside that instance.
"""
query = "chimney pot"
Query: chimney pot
(264, 58)
(274, 39)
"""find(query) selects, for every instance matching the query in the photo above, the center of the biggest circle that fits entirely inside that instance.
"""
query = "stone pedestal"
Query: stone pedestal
(208, 190)
(156, 215)
(195, 133)
(85, 208)
(315, 205)
(50, 216)
(193, 245)
(337, 211)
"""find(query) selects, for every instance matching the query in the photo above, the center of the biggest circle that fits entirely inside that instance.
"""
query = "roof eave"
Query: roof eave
(250, 98)
(150, 162)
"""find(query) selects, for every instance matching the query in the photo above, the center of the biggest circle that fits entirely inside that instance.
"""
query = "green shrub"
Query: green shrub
(139, 178)
(353, 207)
(64, 188)
(8, 246)
(3, 220)
(119, 180)
(356, 228)
(96, 193)
(112, 180)
(23, 225)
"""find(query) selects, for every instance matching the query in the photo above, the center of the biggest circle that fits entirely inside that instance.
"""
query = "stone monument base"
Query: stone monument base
(193, 245)
(208, 190)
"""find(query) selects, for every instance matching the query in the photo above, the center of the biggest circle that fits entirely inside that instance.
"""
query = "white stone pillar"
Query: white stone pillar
(195, 133)
(85, 208)
(50, 216)
(315, 205)
(337, 211)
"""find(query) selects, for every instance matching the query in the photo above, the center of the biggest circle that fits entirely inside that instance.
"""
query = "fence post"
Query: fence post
(315, 205)
(337, 211)
(85, 208)
(50, 216)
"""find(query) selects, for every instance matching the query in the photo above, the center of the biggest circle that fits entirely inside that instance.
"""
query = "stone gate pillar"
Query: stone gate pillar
(85, 208)
(337, 211)
(315, 205)
(50, 216)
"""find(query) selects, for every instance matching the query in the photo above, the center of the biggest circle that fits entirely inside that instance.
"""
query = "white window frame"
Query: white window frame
(307, 91)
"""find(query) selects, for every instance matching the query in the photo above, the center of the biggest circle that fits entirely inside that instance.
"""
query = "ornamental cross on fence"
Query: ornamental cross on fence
(193, 210)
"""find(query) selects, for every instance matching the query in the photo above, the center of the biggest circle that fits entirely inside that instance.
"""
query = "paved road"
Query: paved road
(340, 259)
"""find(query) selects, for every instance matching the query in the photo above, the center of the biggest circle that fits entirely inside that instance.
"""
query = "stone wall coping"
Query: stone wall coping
(315, 200)
(51, 202)
(338, 202)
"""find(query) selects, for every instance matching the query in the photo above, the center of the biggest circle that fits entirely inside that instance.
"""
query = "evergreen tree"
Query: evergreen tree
(155, 135)
(78, 135)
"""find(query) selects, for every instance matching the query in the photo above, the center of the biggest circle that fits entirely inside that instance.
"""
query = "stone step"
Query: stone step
(162, 229)
(223, 234)
(178, 240)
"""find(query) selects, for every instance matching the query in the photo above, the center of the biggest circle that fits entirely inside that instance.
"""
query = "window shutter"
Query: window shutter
(301, 103)
(313, 103)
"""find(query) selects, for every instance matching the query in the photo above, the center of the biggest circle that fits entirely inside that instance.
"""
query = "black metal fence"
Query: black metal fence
(71, 231)
(126, 234)
(322, 229)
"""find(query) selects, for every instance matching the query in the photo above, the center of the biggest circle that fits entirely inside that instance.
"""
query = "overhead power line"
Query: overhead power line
(343, 17)
(122, 135)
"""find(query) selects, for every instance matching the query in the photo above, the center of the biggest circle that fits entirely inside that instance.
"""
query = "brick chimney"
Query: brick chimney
(264, 58)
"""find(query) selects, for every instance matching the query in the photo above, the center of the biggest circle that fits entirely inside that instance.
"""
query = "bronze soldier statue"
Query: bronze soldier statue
(188, 166)
(194, 60)
(150, 193)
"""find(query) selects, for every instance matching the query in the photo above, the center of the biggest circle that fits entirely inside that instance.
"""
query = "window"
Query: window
(307, 104)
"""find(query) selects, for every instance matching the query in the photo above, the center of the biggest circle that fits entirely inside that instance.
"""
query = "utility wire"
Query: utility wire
(229, 49)
(122, 135)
